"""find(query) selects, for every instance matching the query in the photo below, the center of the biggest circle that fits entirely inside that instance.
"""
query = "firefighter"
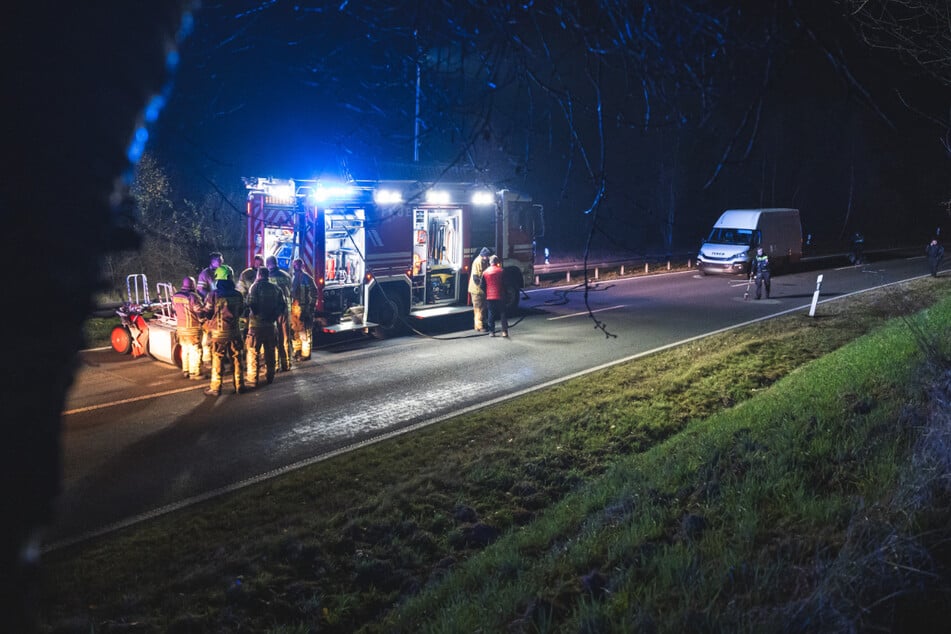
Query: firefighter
(283, 280)
(477, 289)
(223, 309)
(188, 305)
(206, 279)
(249, 276)
(303, 303)
(265, 303)
(760, 271)
(206, 284)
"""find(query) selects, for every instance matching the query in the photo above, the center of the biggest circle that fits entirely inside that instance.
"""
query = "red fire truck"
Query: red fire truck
(385, 252)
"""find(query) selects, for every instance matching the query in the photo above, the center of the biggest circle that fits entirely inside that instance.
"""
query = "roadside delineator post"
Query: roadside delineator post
(815, 297)
(645, 268)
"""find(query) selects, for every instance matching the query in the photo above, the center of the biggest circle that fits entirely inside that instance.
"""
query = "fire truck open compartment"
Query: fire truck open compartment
(344, 264)
(437, 257)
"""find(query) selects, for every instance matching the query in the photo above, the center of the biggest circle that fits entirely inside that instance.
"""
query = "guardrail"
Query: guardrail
(658, 263)
(621, 266)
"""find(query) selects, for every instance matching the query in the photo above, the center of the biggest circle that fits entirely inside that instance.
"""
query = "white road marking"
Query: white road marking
(600, 310)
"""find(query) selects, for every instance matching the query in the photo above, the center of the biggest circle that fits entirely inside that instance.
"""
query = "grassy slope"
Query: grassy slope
(595, 521)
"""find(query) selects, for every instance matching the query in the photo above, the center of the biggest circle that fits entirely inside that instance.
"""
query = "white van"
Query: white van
(732, 243)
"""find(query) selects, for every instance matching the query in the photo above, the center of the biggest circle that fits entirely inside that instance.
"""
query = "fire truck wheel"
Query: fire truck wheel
(121, 340)
(389, 317)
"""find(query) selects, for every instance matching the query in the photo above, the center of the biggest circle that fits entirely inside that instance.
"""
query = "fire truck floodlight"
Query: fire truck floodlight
(483, 198)
(282, 191)
(437, 197)
(387, 196)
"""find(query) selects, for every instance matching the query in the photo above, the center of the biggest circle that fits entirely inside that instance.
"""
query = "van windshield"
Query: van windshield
(723, 235)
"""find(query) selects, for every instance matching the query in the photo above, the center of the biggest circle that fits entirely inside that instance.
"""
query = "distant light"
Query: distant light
(483, 198)
(437, 197)
(387, 196)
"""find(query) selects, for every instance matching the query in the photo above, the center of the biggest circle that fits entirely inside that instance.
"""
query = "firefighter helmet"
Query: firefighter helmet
(188, 283)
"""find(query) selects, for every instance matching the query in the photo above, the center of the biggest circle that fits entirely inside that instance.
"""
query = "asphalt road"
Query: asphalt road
(138, 440)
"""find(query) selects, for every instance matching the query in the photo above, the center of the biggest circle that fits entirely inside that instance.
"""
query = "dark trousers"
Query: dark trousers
(496, 311)
(762, 279)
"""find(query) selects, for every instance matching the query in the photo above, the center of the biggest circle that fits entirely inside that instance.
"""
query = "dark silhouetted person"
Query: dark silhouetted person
(935, 253)
(265, 305)
(760, 272)
(283, 280)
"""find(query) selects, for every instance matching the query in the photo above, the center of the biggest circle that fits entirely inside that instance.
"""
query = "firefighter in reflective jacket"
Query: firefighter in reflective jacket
(223, 309)
(303, 303)
(187, 305)
(281, 278)
(760, 271)
(477, 288)
(265, 303)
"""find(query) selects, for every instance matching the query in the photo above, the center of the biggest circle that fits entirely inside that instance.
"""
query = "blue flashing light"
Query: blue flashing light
(172, 59)
(332, 192)
(153, 108)
(137, 145)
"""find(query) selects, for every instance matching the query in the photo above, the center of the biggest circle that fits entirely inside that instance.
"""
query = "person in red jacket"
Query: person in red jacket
(495, 296)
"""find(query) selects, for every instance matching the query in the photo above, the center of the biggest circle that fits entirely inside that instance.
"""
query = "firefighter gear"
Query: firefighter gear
(223, 309)
(265, 303)
(760, 270)
(187, 305)
(248, 277)
(303, 304)
(283, 280)
(206, 279)
(476, 289)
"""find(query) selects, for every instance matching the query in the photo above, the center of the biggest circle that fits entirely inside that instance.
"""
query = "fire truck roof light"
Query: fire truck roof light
(387, 196)
(437, 196)
(332, 192)
(483, 198)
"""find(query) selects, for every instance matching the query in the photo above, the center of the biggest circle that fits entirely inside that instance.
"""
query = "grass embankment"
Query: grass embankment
(690, 490)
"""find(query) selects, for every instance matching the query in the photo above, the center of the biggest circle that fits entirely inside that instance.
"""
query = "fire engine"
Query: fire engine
(385, 252)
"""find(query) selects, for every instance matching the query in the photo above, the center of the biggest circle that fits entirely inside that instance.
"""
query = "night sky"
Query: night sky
(642, 121)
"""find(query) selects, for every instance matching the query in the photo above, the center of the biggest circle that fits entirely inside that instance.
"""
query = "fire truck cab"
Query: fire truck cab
(385, 252)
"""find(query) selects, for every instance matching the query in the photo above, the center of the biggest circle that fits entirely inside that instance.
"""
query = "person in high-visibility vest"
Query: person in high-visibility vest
(477, 289)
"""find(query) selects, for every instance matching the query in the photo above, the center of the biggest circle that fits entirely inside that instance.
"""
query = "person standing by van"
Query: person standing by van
(760, 271)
